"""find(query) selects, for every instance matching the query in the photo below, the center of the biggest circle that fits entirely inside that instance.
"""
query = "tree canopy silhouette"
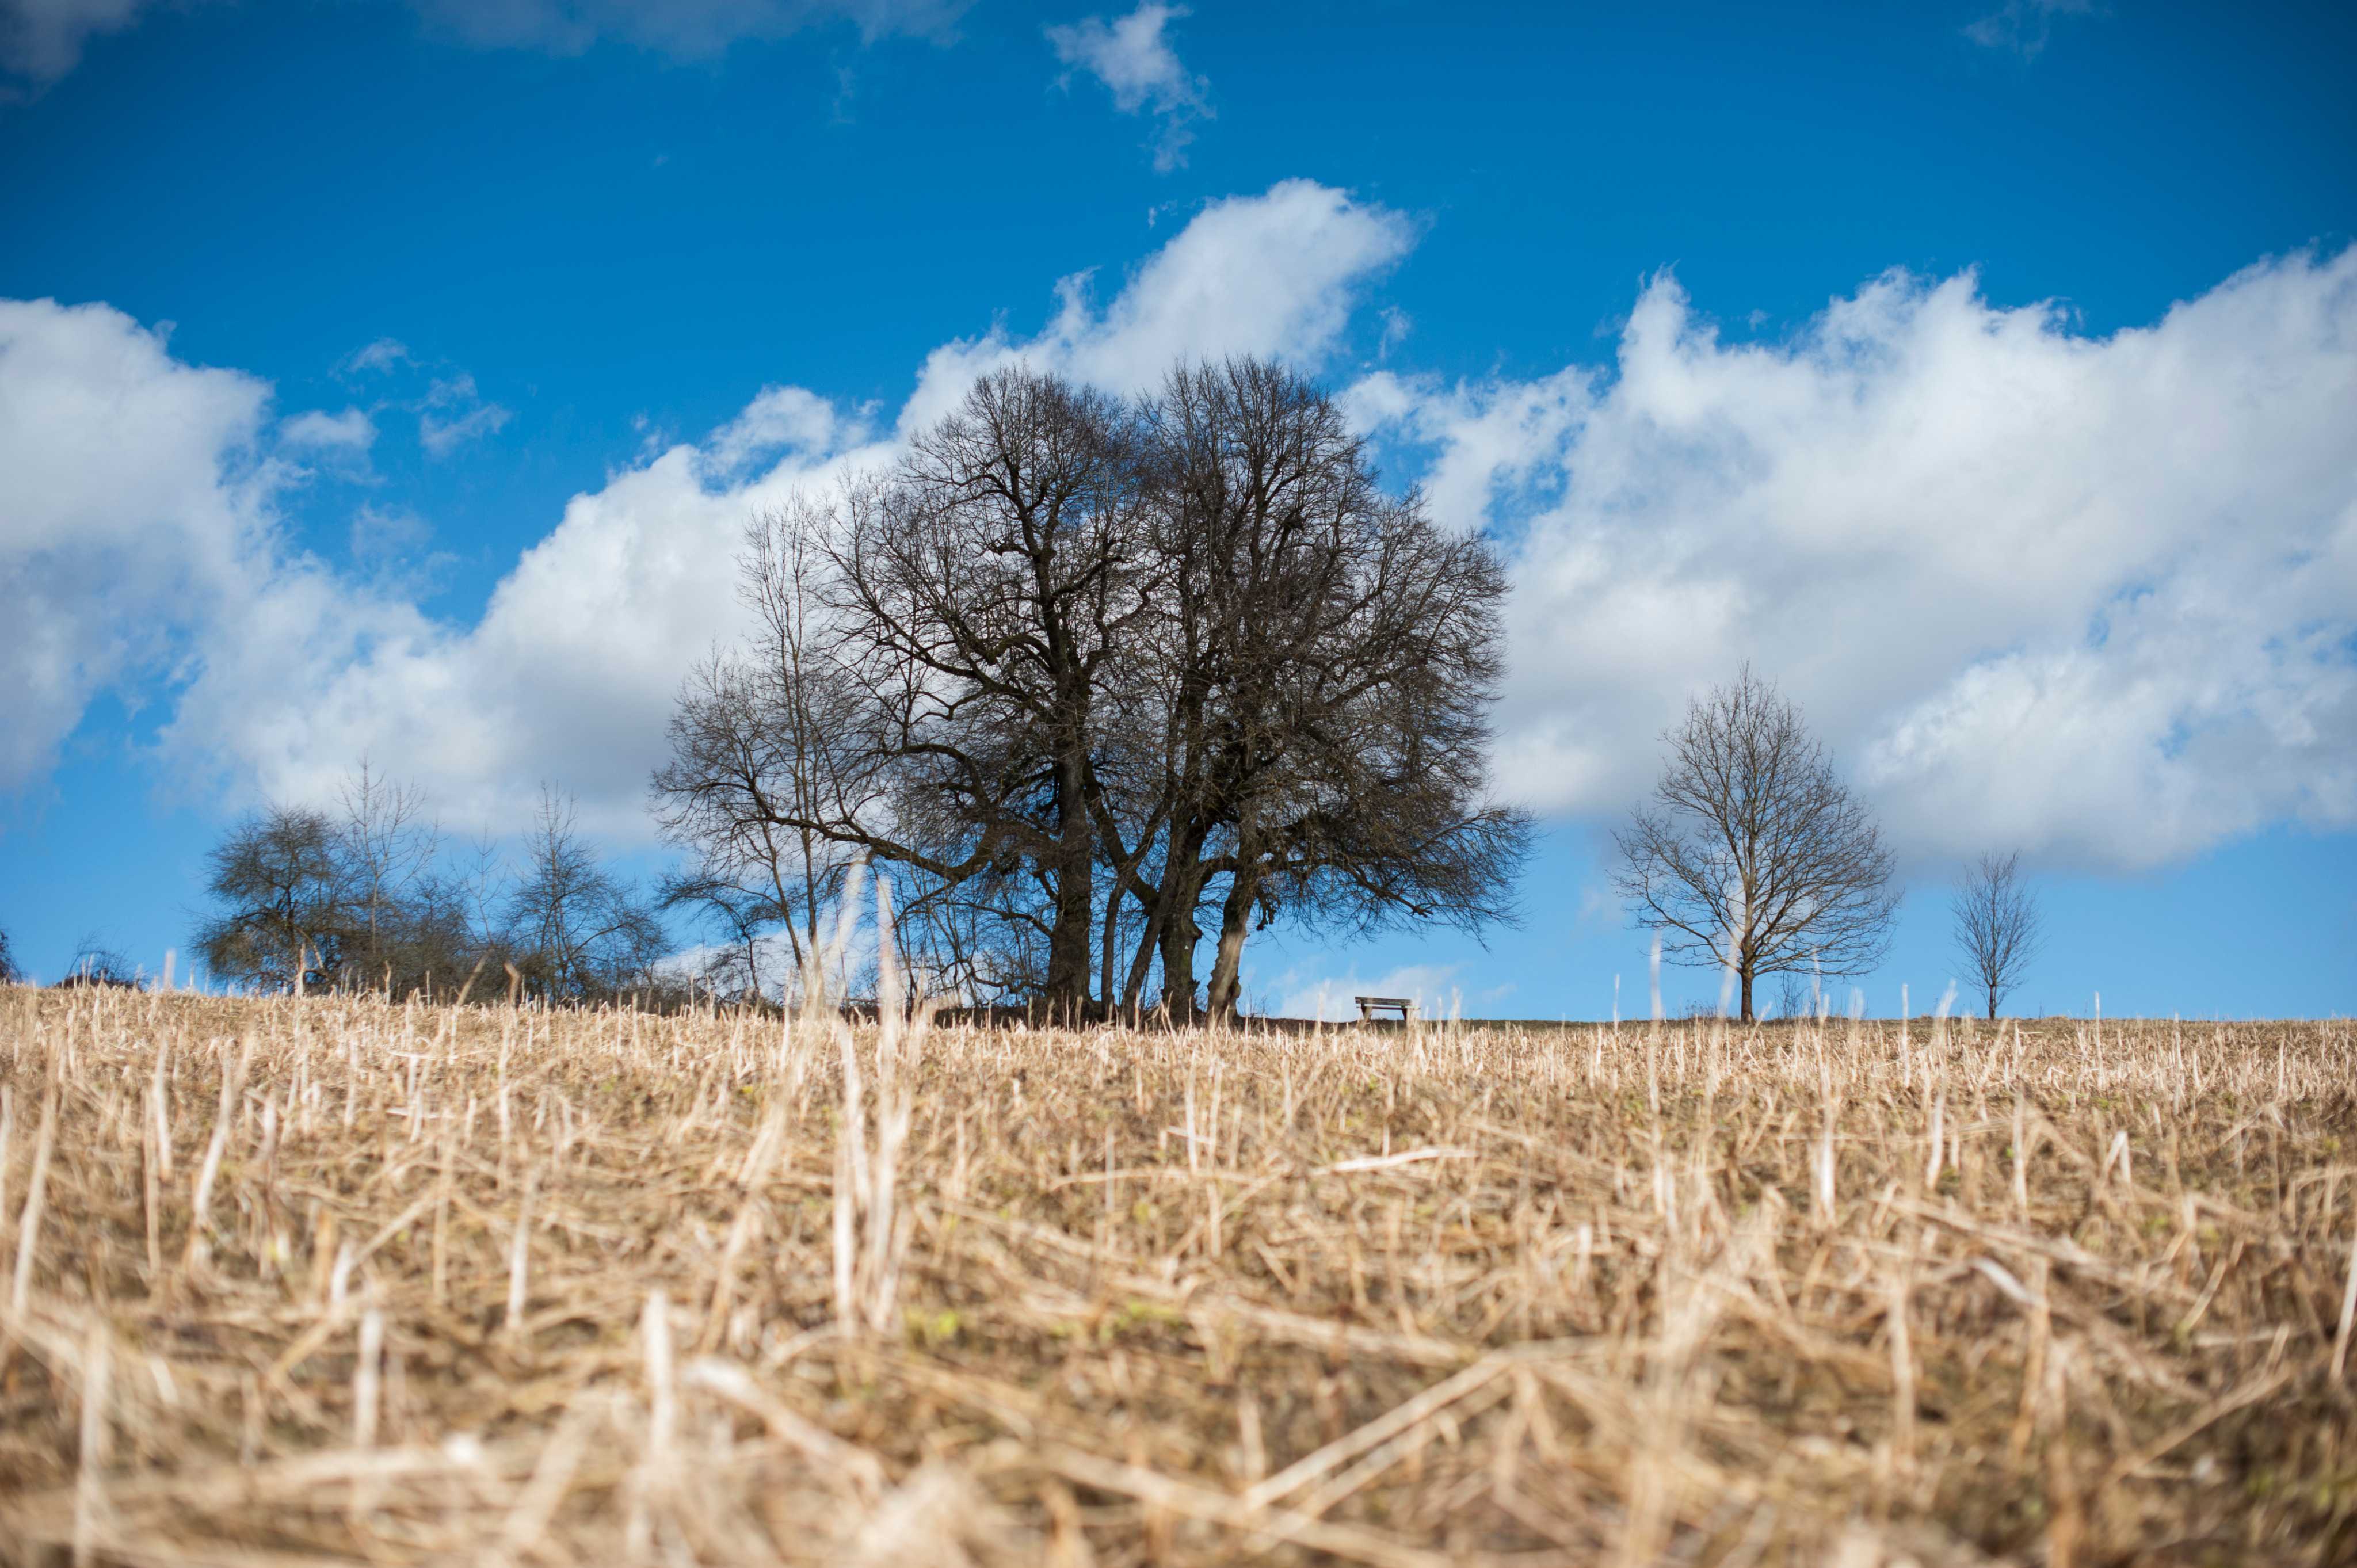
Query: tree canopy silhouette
(1077, 672)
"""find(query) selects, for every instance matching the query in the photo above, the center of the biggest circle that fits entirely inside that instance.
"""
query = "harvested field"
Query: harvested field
(334, 1279)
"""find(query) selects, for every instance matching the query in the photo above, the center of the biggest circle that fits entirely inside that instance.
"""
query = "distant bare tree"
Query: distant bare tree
(7, 962)
(1998, 929)
(97, 961)
(577, 932)
(388, 844)
(1755, 855)
(284, 923)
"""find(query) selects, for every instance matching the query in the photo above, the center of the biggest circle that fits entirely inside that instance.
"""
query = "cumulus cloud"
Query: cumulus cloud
(1133, 58)
(2092, 596)
(131, 493)
(571, 672)
(2095, 598)
(779, 420)
(684, 30)
(1277, 274)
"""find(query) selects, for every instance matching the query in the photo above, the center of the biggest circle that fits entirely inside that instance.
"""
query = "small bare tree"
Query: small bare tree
(1998, 929)
(388, 846)
(767, 744)
(578, 932)
(277, 876)
(1755, 855)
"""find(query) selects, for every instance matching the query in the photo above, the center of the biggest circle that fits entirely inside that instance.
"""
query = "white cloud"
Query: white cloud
(130, 497)
(2092, 596)
(569, 675)
(571, 671)
(350, 431)
(2097, 598)
(778, 420)
(381, 355)
(41, 40)
(1275, 274)
(1131, 56)
(2023, 26)
(685, 30)
(454, 415)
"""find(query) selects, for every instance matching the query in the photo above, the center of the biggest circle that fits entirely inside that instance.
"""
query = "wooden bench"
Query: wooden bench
(1405, 1006)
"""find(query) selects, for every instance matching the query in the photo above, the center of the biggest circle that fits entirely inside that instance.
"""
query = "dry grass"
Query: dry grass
(331, 1280)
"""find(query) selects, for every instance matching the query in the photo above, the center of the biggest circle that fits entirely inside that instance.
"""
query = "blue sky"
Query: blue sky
(1987, 374)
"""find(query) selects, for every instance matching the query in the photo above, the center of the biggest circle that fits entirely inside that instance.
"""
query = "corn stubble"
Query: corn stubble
(334, 1279)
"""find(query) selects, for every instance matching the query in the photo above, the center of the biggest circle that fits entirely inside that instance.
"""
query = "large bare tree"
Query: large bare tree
(1753, 854)
(1998, 928)
(977, 598)
(1335, 656)
(1107, 665)
(986, 594)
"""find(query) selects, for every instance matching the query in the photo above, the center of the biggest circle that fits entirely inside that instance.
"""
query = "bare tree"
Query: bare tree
(767, 744)
(1326, 657)
(936, 707)
(1076, 671)
(1998, 928)
(387, 846)
(578, 933)
(1754, 855)
(986, 594)
(98, 962)
(284, 919)
(7, 961)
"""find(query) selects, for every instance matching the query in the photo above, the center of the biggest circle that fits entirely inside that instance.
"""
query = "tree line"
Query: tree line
(1089, 679)
(361, 897)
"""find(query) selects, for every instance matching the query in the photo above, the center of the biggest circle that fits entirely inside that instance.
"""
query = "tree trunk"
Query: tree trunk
(1174, 929)
(1070, 940)
(1747, 996)
(1109, 953)
(1235, 923)
(1180, 934)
